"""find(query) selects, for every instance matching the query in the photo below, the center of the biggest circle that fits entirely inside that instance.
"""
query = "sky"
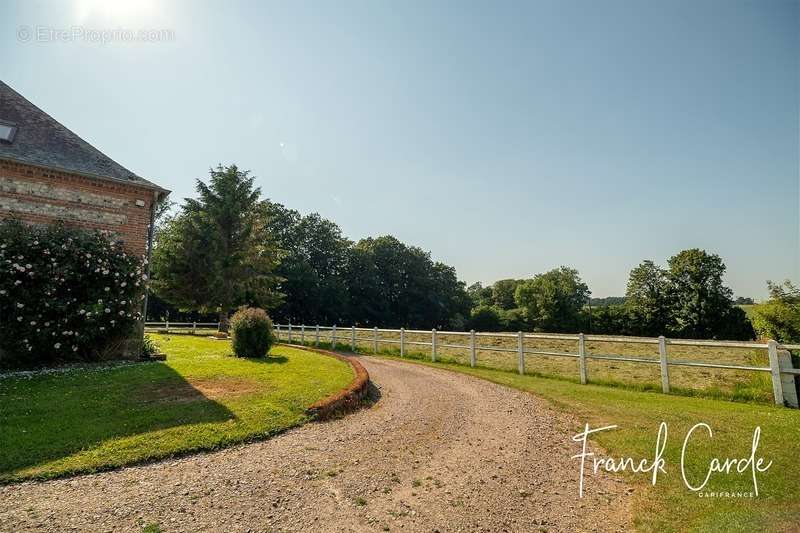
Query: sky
(507, 138)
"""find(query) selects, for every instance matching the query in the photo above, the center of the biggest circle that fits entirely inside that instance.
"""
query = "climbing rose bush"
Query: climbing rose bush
(65, 294)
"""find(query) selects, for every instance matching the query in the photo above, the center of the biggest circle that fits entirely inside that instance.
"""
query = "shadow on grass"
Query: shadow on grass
(271, 359)
(51, 417)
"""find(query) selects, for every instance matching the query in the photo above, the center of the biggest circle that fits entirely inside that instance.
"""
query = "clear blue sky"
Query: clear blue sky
(507, 138)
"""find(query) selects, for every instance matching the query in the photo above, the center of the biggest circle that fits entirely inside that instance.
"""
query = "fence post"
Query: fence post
(375, 340)
(582, 357)
(433, 345)
(353, 339)
(333, 338)
(662, 352)
(290, 333)
(520, 353)
(303, 334)
(775, 370)
(402, 342)
(167, 323)
(316, 336)
(473, 359)
(194, 328)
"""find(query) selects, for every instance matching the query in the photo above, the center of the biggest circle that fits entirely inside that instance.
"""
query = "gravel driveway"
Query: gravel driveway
(439, 451)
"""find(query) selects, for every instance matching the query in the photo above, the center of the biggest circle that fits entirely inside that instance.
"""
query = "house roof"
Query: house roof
(42, 141)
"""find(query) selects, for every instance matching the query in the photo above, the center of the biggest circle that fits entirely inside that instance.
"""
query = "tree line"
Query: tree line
(229, 247)
(686, 299)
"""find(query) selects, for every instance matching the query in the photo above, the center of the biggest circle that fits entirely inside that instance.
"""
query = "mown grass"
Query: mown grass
(669, 505)
(96, 418)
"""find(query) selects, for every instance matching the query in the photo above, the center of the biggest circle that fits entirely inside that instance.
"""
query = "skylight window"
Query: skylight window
(7, 131)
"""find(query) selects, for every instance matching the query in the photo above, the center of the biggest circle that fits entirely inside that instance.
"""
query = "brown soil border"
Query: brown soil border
(346, 400)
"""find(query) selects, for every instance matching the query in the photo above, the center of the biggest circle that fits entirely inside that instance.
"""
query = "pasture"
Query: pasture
(690, 381)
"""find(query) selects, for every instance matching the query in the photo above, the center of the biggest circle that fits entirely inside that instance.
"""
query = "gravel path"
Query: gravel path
(439, 451)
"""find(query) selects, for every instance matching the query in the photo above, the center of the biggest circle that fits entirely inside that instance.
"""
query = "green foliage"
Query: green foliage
(503, 292)
(648, 299)
(554, 301)
(313, 261)
(514, 320)
(779, 317)
(251, 332)
(701, 301)
(392, 284)
(687, 300)
(480, 295)
(485, 318)
(608, 300)
(65, 294)
(612, 320)
(149, 346)
(216, 253)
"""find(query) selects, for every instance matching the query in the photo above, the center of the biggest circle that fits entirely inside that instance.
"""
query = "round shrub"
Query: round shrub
(65, 294)
(251, 332)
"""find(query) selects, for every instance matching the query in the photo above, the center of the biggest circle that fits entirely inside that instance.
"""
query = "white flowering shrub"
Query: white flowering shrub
(65, 294)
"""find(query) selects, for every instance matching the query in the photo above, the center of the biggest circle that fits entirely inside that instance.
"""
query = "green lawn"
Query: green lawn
(96, 418)
(670, 506)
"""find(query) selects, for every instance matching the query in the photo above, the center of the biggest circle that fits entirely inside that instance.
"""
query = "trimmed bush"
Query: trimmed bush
(65, 294)
(251, 332)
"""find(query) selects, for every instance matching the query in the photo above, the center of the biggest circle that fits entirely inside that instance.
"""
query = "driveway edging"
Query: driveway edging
(345, 400)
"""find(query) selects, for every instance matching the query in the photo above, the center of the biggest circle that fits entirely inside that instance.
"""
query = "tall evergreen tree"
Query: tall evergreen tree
(216, 254)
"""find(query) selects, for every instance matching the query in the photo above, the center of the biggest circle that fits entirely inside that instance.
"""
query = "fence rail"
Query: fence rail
(780, 367)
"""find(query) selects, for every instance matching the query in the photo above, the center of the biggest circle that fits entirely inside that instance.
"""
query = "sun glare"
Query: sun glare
(120, 12)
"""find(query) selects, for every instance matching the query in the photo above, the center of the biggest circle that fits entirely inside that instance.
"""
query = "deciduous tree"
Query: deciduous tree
(553, 301)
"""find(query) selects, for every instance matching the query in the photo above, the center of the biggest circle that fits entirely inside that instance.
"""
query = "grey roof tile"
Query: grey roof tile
(43, 141)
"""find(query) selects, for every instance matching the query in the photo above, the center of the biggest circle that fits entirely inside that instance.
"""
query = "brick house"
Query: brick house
(48, 173)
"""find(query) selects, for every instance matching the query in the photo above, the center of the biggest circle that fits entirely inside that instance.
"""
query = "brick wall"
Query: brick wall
(38, 196)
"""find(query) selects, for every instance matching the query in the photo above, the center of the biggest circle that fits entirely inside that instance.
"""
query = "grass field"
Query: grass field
(95, 418)
(670, 506)
(688, 381)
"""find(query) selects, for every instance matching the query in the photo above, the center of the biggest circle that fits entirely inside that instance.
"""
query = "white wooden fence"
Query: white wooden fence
(780, 366)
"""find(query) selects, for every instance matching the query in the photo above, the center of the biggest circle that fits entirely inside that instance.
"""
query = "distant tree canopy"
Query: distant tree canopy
(553, 301)
(503, 293)
(228, 247)
(479, 295)
(313, 263)
(648, 298)
(608, 300)
(779, 317)
(688, 299)
(393, 284)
